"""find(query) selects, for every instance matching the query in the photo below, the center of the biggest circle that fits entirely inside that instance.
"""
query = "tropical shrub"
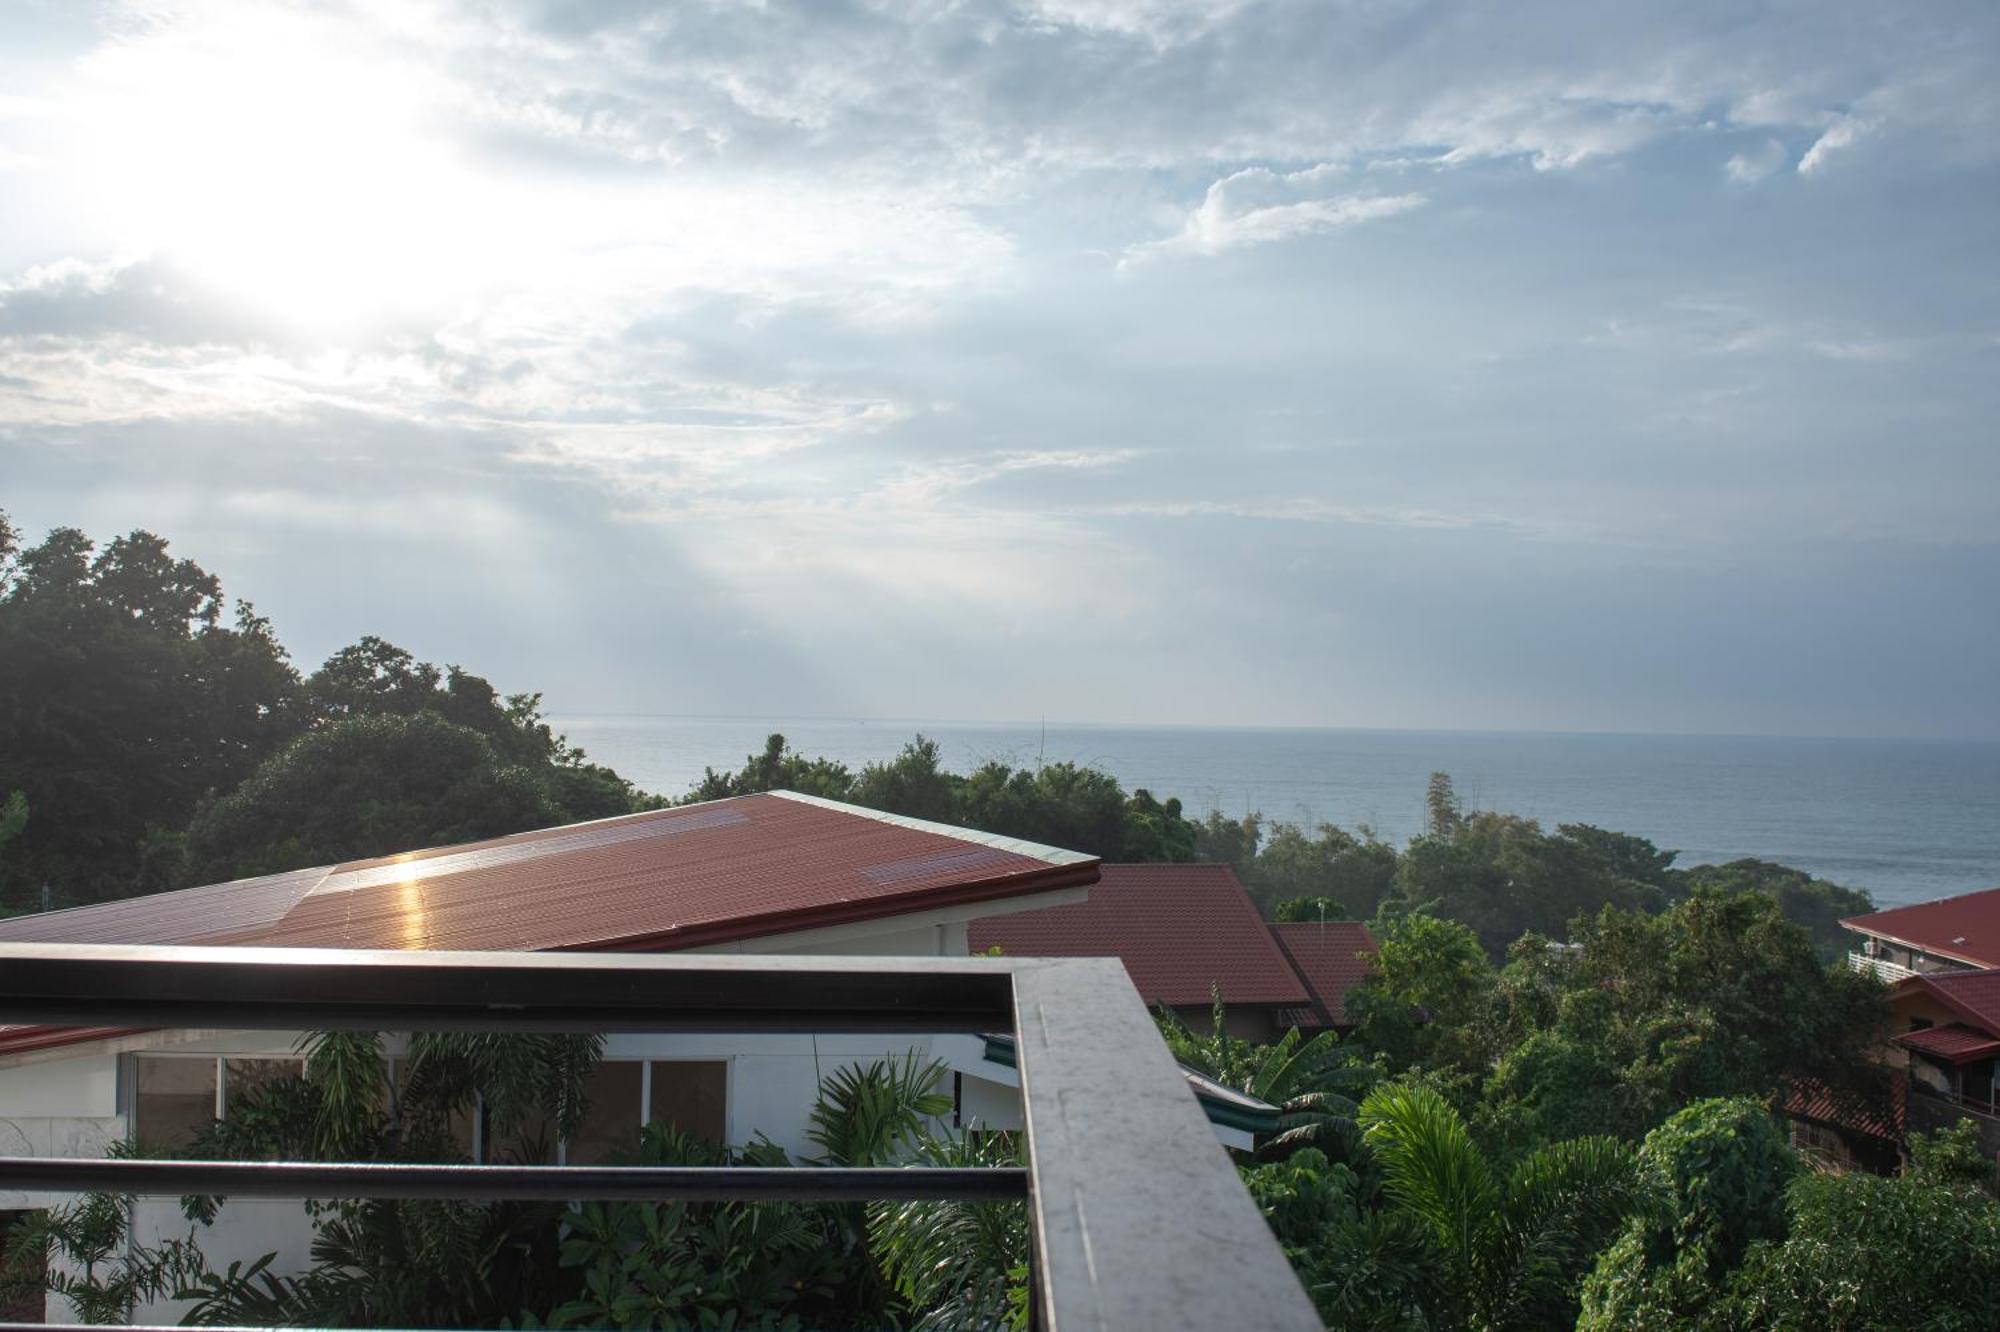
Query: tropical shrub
(1511, 1247)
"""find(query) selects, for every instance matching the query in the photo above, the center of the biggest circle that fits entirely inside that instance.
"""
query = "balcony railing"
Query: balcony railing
(1881, 968)
(1138, 1217)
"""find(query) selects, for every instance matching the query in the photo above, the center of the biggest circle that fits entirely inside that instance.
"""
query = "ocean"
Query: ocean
(1908, 820)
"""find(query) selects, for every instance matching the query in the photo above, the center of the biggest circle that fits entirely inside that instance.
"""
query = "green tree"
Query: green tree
(1367, 1269)
(1233, 842)
(1426, 1001)
(1442, 811)
(777, 768)
(1621, 854)
(126, 698)
(1551, 1088)
(1502, 875)
(1720, 996)
(1954, 1158)
(368, 786)
(1864, 1252)
(375, 678)
(1804, 900)
(1512, 1246)
(914, 784)
(1356, 871)
(1061, 804)
(1713, 1180)
(1306, 909)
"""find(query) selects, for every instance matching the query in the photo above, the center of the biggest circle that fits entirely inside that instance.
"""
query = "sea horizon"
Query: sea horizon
(1906, 818)
(556, 718)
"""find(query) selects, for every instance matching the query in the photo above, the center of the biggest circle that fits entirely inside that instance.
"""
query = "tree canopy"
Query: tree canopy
(158, 741)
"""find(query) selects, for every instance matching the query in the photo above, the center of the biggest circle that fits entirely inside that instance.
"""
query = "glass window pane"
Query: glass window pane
(243, 1077)
(611, 1128)
(692, 1096)
(176, 1100)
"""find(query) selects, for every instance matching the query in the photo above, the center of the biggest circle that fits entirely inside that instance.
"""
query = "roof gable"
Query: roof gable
(1973, 995)
(1332, 957)
(1180, 929)
(1966, 927)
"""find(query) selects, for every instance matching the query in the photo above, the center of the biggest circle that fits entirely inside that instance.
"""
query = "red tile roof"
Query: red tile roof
(1332, 957)
(1809, 1098)
(654, 882)
(1954, 1042)
(1180, 929)
(1966, 928)
(1973, 995)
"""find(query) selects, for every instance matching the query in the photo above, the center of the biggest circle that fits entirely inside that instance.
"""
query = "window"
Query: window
(611, 1127)
(692, 1096)
(241, 1077)
(1920, 1024)
(175, 1099)
(689, 1095)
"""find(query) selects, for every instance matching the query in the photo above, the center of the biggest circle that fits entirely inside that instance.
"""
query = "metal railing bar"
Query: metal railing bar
(477, 1183)
(1140, 1220)
(89, 985)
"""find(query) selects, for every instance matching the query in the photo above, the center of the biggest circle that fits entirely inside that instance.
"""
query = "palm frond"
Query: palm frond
(1430, 1165)
(954, 1260)
(868, 1114)
(1561, 1203)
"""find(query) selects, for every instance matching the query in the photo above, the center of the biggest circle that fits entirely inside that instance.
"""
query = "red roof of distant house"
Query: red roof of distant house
(1965, 928)
(1954, 1042)
(1809, 1098)
(1179, 929)
(1973, 995)
(1332, 957)
(655, 882)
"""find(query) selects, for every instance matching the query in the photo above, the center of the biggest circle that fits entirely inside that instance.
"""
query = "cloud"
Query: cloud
(1841, 134)
(1257, 206)
(1747, 168)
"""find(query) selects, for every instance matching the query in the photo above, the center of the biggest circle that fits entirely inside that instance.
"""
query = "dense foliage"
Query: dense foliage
(1735, 1235)
(149, 740)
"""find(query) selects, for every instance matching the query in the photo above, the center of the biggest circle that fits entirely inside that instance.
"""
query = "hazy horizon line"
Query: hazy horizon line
(1031, 723)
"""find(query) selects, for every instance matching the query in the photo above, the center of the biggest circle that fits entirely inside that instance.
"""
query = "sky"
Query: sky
(1569, 366)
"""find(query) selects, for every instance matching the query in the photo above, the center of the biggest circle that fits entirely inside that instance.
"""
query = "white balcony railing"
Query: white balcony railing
(1882, 968)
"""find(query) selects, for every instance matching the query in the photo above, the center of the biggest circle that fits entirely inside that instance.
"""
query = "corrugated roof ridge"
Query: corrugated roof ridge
(1052, 855)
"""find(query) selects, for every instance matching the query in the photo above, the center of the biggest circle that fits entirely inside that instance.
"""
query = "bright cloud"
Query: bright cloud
(1257, 206)
(1840, 135)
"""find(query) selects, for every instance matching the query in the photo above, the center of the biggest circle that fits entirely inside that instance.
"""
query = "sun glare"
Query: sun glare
(284, 164)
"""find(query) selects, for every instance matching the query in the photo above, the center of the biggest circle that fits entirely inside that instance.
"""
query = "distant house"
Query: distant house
(1187, 933)
(1941, 960)
(1951, 934)
(1948, 1029)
